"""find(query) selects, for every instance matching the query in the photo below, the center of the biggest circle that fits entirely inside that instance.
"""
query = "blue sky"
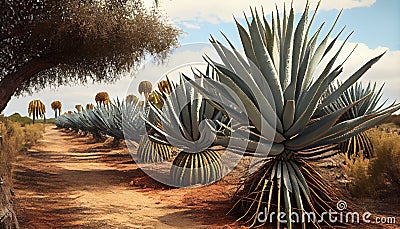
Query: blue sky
(376, 25)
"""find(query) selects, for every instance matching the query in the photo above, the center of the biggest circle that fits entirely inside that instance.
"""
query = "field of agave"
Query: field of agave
(294, 116)
(106, 120)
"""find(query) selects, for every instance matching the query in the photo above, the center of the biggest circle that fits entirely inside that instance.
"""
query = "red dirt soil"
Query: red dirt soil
(67, 181)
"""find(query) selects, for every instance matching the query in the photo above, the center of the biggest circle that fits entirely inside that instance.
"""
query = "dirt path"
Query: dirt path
(66, 181)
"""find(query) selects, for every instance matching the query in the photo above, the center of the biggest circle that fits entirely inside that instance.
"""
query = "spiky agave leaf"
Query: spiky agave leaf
(196, 168)
(284, 185)
(188, 128)
(358, 144)
(133, 124)
(152, 152)
(282, 58)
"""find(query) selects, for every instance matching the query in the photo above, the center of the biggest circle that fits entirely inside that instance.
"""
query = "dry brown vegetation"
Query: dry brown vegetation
(381, 174)
(394, 119)
(16, 138)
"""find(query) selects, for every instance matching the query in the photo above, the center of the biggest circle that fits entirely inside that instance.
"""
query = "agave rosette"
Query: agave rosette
(189, 122)
(152, 151)
(282, 58)
(360, 143)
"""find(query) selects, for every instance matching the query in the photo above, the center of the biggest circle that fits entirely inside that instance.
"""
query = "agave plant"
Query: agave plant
(151, 151)
(359, 143)
(184, 121)
(132, 122)
(282, 58)
(107, 120)
(37, 109)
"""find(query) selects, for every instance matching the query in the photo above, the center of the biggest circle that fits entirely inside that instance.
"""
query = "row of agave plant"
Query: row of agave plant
(105, 120)
(311, 116)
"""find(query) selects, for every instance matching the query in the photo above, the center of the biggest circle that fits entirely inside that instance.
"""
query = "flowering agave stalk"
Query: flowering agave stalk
(359, 143)
(282, 58)
(186, 121)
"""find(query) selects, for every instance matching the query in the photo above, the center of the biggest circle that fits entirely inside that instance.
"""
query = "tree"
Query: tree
(78, 107)
(102, 98)
(145, 88)
(132, 99)
(89, 106)
(54, 42)
(56, 106)
(37, 109)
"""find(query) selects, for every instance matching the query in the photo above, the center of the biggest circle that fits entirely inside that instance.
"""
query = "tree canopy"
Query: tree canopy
(57, 42)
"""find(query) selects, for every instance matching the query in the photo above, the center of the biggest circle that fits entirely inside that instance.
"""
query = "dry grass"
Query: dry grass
(377, 176)
(394, 119)
(16, 138)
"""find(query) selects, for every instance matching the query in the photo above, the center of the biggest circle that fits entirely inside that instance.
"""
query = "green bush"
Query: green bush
(18, 118)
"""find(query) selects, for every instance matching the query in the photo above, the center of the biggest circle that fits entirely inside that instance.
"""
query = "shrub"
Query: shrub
(371, 177)
(394, 119)
(33, 133)
(16, 138)
(20, 119)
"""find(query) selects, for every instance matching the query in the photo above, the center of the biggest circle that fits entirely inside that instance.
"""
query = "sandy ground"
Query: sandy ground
(67, 181)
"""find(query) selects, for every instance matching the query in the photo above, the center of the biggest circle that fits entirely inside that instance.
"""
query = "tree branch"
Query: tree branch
(10, 83)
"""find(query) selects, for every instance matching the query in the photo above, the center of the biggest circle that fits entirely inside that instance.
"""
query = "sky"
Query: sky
(376, 26)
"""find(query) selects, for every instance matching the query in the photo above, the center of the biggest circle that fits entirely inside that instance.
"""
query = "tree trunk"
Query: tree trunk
(10, 83)
(8, 218)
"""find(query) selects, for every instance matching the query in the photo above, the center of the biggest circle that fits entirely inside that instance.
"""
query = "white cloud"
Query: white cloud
(190, 26)
(386, 70)
(221, 11)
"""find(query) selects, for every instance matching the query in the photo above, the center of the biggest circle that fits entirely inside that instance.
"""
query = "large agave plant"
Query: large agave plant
(186, 121)
(283, 58)
(360, 143)
(151, 151)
